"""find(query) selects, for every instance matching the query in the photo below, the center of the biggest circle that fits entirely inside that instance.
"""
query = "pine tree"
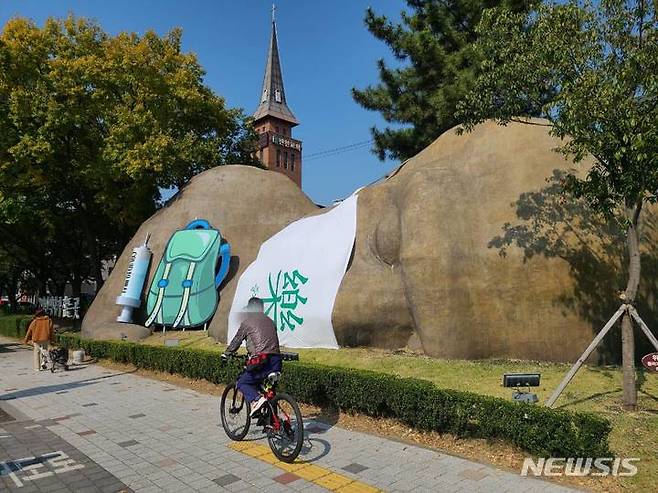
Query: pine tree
(434, 43)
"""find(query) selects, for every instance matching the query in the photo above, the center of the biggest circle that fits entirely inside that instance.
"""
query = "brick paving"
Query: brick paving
(136, 434)
(33, 458)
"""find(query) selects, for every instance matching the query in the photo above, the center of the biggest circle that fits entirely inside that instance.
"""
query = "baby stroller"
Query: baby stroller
(55, 357)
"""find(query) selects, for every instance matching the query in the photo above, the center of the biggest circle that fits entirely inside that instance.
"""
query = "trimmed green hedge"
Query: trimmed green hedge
(418, 403)
(14, 325)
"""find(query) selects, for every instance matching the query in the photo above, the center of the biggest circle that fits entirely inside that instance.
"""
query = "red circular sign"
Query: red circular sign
(650, 362)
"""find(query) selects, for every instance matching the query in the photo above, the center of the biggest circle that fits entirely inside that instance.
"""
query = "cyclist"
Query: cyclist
(262, 345)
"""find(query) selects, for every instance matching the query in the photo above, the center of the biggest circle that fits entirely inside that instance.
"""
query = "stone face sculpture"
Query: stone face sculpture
(424, 273)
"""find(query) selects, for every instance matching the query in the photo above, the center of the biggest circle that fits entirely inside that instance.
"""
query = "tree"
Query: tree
(10, 274)
(420, 98)
(603, 62)
(93, 126)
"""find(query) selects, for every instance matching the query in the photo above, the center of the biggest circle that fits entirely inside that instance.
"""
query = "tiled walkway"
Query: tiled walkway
(133, 433)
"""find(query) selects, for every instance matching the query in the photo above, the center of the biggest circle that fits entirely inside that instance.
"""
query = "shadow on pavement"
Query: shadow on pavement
(11, 347)
(327, 415)
(314, 449)
(48, 389)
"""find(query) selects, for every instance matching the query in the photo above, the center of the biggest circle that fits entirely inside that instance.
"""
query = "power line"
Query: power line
(331, 154)
(337, 150)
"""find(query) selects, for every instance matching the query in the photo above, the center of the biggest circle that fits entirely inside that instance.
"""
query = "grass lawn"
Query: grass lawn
(594, 389)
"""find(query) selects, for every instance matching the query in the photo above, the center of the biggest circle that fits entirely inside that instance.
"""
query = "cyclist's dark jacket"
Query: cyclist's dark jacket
(260, 333)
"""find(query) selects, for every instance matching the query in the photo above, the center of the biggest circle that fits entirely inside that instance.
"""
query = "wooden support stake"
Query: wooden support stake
(643, 326)
(576, 366)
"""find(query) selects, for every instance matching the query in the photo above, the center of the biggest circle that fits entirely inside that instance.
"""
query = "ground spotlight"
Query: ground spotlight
(521, 381)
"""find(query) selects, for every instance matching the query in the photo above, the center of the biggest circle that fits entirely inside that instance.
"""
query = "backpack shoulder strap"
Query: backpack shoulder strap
(162, 284)
(187, 286)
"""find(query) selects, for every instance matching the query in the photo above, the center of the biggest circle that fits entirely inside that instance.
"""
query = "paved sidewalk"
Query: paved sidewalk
(98, 430)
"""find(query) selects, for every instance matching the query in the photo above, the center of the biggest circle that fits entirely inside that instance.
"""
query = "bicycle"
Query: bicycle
(280, 416)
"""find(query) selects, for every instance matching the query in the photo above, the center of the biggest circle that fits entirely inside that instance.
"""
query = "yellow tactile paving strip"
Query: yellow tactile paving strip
(310, 472)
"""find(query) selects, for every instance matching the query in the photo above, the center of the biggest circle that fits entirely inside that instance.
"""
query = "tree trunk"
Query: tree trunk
(96, 262)
(76, 285)
(42, 279)
(56, 288)
(12, 291)
(628, 362)
(627, 338)
(98, 275)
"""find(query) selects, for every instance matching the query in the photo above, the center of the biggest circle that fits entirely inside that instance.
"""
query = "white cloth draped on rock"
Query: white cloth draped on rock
(297, 273)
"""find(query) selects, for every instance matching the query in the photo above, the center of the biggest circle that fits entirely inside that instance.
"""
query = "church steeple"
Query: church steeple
(273, 120)
(273, 95)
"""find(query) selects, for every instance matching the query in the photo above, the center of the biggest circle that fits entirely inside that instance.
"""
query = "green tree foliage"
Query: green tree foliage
(92, 127)
(434, 42)
(602, 60)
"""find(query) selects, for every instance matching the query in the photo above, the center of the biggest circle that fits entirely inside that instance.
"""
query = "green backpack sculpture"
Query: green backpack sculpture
(183, 293)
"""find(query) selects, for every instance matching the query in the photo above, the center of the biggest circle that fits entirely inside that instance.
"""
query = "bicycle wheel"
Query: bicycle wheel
(235, 413)
(287, 434)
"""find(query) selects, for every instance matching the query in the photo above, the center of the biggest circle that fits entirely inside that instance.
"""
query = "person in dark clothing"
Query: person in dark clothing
(262, 345)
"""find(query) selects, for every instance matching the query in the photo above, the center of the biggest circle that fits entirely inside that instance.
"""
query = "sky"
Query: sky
(325, 50)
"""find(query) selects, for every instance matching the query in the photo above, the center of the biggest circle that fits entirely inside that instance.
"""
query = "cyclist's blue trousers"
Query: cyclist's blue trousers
(249, 382)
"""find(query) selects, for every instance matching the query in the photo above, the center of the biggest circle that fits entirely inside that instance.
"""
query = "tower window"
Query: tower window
(278, 158)
(277, 129)
(292, 161)
(285, 159)
(277, 96)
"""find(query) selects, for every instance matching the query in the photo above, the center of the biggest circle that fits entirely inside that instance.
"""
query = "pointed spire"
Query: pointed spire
(273, 96)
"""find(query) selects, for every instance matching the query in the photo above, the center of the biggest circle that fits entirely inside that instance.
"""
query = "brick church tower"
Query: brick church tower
(274, 121)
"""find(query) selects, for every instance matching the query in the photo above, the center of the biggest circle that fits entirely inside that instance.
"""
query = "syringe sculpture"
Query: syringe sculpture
(135, 276)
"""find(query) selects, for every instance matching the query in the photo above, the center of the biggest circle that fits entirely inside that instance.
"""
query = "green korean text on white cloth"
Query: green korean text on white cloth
(297, 274)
